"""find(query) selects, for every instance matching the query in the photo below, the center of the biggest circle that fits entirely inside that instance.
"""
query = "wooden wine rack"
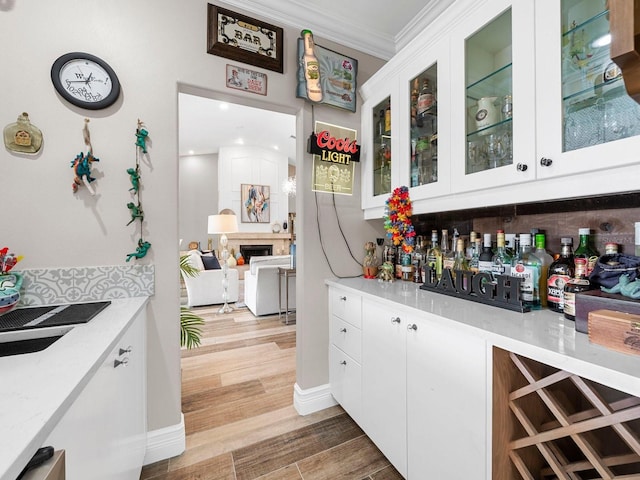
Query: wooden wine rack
(551, 424)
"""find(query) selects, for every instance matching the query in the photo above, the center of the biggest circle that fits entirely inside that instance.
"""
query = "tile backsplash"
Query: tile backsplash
(52, 286)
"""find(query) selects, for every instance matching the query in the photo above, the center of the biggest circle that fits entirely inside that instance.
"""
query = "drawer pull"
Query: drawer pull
(343, 330)
(124, 362)
(122, 351)
(344, 299)
(343, 362)
(412, 326)
(395, 320)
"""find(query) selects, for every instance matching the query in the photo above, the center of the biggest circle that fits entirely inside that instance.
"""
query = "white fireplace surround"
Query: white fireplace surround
(279, 241)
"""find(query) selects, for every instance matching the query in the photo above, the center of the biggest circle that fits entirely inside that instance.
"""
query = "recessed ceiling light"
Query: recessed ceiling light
(275, 147)
(191, 152)
(224, 106)
(240, 141)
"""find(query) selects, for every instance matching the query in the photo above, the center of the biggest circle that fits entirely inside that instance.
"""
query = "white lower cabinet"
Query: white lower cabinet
(420, 392)
(104, 431)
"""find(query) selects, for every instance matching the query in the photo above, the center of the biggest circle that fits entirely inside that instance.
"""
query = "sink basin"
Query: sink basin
(30, 341)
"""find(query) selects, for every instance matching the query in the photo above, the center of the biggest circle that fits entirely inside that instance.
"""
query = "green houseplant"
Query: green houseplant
(190, 323)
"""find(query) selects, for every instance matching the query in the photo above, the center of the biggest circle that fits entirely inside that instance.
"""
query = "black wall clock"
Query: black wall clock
(85, 80)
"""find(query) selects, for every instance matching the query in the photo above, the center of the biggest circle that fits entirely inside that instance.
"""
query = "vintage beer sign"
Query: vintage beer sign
(334, 152)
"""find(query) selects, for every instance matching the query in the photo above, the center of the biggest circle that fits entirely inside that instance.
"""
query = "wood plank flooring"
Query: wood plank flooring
(237, 400)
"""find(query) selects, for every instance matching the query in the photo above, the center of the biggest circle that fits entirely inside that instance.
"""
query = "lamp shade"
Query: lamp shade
(222, 224)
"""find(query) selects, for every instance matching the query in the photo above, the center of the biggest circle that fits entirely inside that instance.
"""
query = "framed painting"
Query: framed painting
(244, 39)
(256, 203)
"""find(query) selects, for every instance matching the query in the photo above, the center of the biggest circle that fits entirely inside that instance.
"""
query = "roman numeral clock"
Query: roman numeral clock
(85, 81)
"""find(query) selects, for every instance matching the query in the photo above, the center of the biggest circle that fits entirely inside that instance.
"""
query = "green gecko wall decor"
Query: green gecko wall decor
(135, 207)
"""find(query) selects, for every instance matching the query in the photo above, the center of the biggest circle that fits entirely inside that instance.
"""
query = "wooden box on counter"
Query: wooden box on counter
(615, 330)
(598, 300)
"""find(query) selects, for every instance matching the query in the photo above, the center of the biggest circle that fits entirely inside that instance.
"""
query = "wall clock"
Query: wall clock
(85, 80)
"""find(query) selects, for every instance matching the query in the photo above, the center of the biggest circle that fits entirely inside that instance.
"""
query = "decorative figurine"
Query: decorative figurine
(370, 263)
(141, 137)
(82, 168)
(141, 251)
(386, 272)
(134, 176)
(22, 136)
(135, 211)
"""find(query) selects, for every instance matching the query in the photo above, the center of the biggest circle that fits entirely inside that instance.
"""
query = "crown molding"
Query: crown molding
(432, 10)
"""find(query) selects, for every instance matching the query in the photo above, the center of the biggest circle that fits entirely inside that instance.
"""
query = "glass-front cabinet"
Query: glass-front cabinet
(382, 148)
(423, 135)
(586, 120)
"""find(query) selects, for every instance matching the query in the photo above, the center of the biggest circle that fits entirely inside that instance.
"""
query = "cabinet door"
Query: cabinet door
(585, 119)
(493, 105)
(345, 378)
(103, 432)
(378, 157)
(384, 381)
(446, 402)
(425, 128)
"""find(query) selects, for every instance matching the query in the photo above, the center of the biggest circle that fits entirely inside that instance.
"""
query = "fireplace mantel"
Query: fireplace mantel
(279, 241)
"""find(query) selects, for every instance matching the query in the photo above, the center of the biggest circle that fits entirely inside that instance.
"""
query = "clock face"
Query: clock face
(85, 81)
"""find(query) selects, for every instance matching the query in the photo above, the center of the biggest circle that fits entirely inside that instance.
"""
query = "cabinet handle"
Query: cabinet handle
(122, 351)
(124, 362)
(522, 167)
(395, 320)
(343, 330)
(343, 362)
(412, 326)
(344, 299)
(546, 162)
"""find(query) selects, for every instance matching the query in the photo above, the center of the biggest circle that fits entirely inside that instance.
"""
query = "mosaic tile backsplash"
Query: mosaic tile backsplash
(52, 286)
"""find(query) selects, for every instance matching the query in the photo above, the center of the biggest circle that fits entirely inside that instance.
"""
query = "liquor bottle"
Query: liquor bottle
(485, 261)
(560, 272)
(580, 283)
(311, 68)
(501, 260)
(610, 248)
(380, 127)
(434, 257)
(545, 261)
(387, 118)
(447, 253)
(510, 244)
(460, 259)
(425, 100)
(474, 256)
(527, 266)
(586, 251)
(414, 105)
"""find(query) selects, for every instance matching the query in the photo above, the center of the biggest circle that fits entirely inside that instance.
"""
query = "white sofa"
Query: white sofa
(261, 284)
(206, 287)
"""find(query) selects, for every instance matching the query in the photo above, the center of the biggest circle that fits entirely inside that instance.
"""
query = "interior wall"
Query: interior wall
(157, 48)
(197, 197)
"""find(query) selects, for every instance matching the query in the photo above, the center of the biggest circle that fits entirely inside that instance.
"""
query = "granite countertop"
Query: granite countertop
(36, 389)
(542, 335)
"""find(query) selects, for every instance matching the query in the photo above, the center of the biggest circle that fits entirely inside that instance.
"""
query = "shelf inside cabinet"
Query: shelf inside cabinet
(495, 83)
(495, 128)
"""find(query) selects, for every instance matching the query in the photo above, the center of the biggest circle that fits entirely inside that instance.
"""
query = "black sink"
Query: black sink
(32, 345)
(50, 316)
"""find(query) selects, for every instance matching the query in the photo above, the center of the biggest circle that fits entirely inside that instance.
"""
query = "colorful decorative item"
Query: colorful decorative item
(397, 220)
(10, 283)
(135, 208)
(82, 163)
(386, 272)
(370, 263)
(22, 136)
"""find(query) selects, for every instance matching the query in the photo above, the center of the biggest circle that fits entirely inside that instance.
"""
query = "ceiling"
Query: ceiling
(371, 26)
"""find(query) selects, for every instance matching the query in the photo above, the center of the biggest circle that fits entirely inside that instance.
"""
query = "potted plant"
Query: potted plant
(190, 323)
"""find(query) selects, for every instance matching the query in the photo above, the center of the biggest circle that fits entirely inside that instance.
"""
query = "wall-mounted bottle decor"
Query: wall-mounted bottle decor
(22, 136)
(82, 163)
(135, 206)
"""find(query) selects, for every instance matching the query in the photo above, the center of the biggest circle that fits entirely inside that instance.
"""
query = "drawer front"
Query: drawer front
(347, 338)
(347, 306)
(345, 379)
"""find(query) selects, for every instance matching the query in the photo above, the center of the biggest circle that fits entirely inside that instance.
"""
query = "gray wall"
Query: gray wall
(197, 197)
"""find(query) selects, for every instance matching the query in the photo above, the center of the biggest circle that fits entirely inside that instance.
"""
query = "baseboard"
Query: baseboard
(312, 399)
(165, 443)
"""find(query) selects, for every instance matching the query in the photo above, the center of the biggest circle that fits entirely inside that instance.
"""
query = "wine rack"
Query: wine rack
(552, 424)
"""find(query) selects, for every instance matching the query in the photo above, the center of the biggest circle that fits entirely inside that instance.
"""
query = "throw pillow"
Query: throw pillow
(210, 262)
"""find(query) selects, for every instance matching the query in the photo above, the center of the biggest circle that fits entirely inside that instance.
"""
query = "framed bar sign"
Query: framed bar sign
(246, 80)
(244, 39)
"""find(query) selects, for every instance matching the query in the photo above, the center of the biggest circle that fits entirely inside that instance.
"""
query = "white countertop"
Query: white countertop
(541, 335)
(36, 389)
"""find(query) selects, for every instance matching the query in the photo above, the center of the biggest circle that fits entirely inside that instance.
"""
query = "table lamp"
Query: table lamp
(222, 224)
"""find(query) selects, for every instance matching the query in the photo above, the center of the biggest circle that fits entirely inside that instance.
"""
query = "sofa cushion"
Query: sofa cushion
(195, 259)
(279, 260)
(210, 261)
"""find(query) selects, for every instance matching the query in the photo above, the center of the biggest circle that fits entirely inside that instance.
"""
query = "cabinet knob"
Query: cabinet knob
(412, 326)
(344, 299)
(122, 351)
(124, 362)
(546, 162)
(522, 167)
(395, 320)
(343, 362)
(343, 330)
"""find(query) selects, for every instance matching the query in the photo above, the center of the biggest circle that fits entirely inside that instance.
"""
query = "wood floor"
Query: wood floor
(237, 399)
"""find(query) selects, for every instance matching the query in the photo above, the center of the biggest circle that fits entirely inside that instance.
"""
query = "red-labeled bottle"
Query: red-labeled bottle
(560, 272)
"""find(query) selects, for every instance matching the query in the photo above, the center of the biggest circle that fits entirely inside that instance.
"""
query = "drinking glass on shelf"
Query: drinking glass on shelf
(495, 150)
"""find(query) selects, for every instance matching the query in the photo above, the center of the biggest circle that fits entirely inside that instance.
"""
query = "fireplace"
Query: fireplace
(248, 251)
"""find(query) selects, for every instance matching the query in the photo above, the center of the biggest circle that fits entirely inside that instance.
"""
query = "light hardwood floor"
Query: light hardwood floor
(237, 399)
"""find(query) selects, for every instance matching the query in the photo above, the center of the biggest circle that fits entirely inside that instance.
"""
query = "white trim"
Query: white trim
(313, 399)
(165, 442)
